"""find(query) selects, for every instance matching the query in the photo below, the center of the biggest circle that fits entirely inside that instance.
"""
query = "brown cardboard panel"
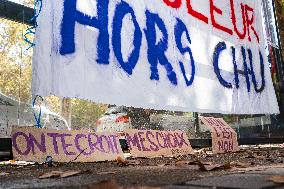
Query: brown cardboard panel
(33, 144)
(224, 138)
(150, 143)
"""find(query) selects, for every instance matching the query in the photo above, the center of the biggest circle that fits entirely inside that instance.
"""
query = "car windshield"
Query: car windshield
(115, 110)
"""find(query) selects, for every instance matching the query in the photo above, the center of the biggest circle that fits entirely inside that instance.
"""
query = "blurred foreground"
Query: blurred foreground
(252, 167)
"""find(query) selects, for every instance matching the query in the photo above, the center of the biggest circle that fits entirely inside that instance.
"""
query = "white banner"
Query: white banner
(200, 56)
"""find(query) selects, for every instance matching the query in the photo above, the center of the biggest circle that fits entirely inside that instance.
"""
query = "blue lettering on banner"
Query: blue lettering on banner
(180, 28)
(216, 56)
(121, 11)
(246, 69)
(261, 88)
(237, 81)
(156, 52)
(71, 15)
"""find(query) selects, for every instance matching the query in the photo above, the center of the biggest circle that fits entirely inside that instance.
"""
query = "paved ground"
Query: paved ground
(249, 180)
(250, 168)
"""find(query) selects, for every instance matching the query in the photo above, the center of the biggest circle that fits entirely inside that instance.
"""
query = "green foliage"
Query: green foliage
(15, 64)
(85, 113)
(16, 75)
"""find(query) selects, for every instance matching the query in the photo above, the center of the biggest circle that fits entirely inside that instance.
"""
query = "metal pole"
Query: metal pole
(196, 123)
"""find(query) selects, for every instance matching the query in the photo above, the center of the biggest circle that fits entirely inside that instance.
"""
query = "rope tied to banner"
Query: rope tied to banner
(33, 21)
(31, 31)
(38, 118)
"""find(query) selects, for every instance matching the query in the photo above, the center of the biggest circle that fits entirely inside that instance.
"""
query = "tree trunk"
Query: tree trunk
(66, 110)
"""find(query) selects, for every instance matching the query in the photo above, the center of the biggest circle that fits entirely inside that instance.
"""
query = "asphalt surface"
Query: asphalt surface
(249, 168)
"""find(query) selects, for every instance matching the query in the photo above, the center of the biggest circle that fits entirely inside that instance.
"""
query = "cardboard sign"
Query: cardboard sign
(224, 138)
(32, 144)
(150, 143)
(155, 54)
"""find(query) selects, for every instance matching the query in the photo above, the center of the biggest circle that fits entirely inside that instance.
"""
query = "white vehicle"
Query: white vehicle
(119, 118)
(13, 113)
(115, 119)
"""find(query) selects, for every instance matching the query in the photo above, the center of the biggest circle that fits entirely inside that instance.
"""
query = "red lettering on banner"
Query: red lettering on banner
(247, 13)
(243, 34)
(214, 9)
(196, 14)
(250, 21)
(174, 4)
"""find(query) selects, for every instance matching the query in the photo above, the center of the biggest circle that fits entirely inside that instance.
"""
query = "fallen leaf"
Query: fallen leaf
(253, 155)
(248, 169)
(106, 173)
(121, 160)
(111, 184)
(69, 173)
(249, 156)
(205, 163)
(86, 171)
(239, 164)
(278, 179)
(212, 167)
(62, 174)
(52, 174)
(143, 187)
(201, 152)
(162, 165)
(260, 157)
(12, 161)
(182, 163)
(103, 185)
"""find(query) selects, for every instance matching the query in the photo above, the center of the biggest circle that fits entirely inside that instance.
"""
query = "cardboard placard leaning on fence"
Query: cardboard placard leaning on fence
(150, 143)
(224, 138)
(32, 144)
